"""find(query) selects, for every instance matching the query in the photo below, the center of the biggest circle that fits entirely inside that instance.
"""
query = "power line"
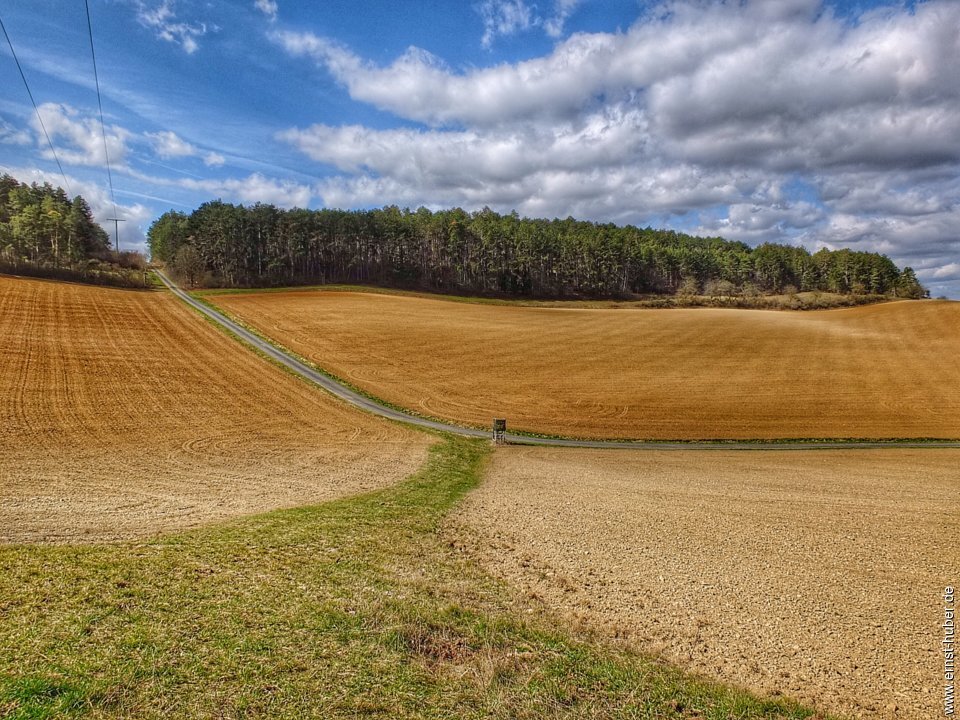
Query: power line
(35, 108)
(103, 130)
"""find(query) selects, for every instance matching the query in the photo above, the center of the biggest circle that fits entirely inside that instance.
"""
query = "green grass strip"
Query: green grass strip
(353, 608)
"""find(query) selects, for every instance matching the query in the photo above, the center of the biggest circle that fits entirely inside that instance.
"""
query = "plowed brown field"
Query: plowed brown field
(816, 574)
(124, 414)
(882, 371)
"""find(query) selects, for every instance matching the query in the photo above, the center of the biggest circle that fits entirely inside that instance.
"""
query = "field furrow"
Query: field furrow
(124, 414)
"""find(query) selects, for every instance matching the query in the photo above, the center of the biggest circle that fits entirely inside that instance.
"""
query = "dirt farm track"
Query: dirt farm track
(122, 414)
(812, 573)
(880, 371)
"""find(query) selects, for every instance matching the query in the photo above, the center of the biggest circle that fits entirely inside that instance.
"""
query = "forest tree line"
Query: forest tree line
(489, 253)
(45, 233)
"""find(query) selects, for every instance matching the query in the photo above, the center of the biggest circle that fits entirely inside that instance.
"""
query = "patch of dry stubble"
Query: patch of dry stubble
(815, 574)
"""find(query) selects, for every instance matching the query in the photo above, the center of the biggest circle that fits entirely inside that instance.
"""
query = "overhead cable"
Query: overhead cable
(35, 108)
(103, 130)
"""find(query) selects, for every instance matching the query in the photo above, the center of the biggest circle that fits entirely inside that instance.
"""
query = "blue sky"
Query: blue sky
(798, 121)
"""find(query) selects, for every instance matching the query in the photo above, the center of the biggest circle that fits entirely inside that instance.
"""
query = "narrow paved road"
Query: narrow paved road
(365, 403)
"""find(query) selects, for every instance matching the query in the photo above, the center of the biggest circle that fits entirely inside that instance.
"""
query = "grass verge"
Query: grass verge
(354, 608)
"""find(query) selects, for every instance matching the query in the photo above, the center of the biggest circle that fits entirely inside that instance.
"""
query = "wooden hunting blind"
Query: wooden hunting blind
(499, 430)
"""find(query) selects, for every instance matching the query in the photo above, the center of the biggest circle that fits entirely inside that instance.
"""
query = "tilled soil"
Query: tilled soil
(124, 414)
(880, 371)
(814, 574)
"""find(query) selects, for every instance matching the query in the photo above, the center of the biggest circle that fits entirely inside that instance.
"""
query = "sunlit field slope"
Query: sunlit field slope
(815, 574)
(123, 413)
(880, 371)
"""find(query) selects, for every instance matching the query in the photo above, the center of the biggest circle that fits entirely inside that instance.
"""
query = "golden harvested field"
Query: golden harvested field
(880, 371)
(124, 414)
(816, 574)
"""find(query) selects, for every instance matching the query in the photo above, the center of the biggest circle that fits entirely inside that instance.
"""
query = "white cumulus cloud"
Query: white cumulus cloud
(762, 120)
(162, 19)
(267, 7)
(167, 144)
(78, 138)
(503, 17)
(10, 135)
(254, 188)
(562, 10)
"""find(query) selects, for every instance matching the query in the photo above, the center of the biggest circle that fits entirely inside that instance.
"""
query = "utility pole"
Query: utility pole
(116, 232)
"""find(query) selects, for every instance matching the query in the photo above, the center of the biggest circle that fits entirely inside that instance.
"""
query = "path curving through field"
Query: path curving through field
(371, 405)
(876, 372)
